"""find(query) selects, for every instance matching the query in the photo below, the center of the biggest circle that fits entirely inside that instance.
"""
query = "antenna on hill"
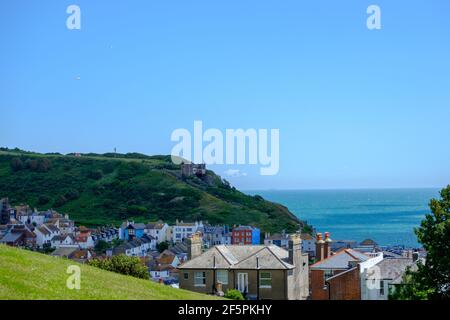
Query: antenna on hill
(115, 151)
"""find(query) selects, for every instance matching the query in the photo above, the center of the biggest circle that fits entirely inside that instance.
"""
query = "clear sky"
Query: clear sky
(355, 107)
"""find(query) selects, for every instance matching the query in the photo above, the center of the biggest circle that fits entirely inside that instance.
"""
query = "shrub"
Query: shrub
(234, 294)
(95, 174)
(16, 164)
(135, 210)
(60, 201)
(130, 266)
(72, 194)
(43, 199)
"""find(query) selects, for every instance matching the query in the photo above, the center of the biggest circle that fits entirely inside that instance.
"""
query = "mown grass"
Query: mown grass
(26, 275)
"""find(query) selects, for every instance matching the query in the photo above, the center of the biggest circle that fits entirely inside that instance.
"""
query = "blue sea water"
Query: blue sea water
(387, 216)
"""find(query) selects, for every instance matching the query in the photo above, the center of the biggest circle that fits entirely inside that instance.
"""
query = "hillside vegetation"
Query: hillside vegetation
(110, 188)
(26, 275)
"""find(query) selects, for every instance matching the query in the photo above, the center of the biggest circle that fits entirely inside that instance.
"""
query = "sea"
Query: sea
(387, 216)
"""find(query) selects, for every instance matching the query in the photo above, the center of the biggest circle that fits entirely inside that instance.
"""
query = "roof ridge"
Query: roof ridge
(279, 259)
(231, 263)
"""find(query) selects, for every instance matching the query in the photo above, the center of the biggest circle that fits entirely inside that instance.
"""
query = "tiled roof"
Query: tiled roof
(241, 257)
(340, 260)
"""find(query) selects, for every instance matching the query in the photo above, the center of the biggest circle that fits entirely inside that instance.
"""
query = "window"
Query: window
(186, 276)
(222, 276)
(200, 279)
(265, 280)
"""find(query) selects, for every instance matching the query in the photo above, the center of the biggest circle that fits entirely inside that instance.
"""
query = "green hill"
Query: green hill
(107, 189)
(29, 275)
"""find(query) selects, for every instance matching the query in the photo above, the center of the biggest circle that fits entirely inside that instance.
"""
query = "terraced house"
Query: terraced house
(260, 272)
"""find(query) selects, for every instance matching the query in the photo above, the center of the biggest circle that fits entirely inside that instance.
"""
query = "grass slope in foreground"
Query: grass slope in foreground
(26, 275)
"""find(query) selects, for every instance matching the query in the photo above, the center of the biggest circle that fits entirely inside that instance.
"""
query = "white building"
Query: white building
(382, 278)
(32, 218)
(182, 230)
(45, 233)
(63, 241)
(159, 231)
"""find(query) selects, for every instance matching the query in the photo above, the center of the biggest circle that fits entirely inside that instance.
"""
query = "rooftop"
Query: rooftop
(241, 257)
(340, 260)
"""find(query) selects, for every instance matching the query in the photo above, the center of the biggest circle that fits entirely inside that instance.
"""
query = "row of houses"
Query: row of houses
(180, 231)
(282, 270)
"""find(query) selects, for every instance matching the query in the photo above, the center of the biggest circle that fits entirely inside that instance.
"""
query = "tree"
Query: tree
(101, 246)
(130, 266)
(432, 279)
(43, 199)
(162, 246)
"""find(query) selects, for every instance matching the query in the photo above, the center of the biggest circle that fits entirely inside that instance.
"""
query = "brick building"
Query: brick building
(338, 276)
(245, 235)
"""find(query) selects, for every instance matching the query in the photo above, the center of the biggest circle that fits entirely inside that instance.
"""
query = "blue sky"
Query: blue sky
(356, 108)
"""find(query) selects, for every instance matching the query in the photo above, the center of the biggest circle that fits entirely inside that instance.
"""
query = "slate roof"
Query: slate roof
(340, 260)
(393, 269)
(241, 257)
(63, 252)
(155, 226)
(11, 237)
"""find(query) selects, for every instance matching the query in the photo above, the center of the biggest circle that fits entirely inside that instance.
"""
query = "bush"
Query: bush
(130, 266)
(72, 194)
(95, 174)
(135, 210)
(43, 199)
(60, 201)
(234, 294)
(16, 164)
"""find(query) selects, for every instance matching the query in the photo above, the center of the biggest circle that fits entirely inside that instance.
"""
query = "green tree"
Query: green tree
(101, 246)
(130, 266)
(162, 246)
(432, 279)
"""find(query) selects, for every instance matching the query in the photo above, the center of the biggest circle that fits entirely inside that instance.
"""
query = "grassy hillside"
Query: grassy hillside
(97, 189)
(29, 275)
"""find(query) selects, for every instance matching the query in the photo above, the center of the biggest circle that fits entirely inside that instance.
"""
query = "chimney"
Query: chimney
(294, 248)
(327, 245)
(320, 252)
(194, 246)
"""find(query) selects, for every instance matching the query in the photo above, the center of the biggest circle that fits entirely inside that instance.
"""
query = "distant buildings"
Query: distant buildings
(182, 230)
(191, 169)
(282, 241)
(216, 235)
(130, 230)
(135, 247)
(160, 231)
(246, 235)
(4, 211)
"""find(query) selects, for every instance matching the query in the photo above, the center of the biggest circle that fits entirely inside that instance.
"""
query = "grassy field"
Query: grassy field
(26, 275)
